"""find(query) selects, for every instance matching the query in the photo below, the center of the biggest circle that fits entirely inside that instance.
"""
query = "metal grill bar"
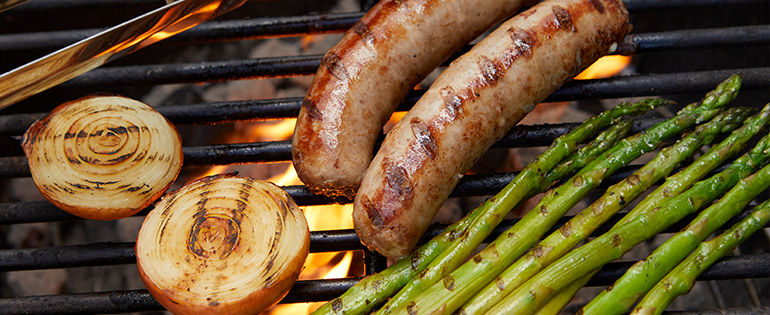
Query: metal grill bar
(100, 254)
(470, 185)
(280, 151)
(626, 86)
(742, 36)
(324, 290)
(222, 31)
(210, 32)
(209, 71)
(217, 71)
(633, 5)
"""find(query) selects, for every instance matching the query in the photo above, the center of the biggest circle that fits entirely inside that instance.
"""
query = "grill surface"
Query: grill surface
(135, 75)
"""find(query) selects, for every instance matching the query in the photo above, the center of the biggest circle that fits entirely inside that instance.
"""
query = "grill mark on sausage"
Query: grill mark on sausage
(424, 137)
(522, 42)
(372, 211)
(490, 70)
(563, 19)
(364, 32)
(333, 63)
(452, 103)
(598, 5)
(398, 180)
(312, 110)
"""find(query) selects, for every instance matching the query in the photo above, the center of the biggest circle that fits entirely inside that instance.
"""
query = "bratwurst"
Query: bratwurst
(470, 106)
(364, 77)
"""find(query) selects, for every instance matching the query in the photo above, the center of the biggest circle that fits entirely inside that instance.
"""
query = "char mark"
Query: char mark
(398, 180)
(563, 18)
(424, 137)
(522, 41)
(333, 63)
(452, 102)
(490, 70)
(598, 5)
(372, 211)
(312, 110)
(364, 32)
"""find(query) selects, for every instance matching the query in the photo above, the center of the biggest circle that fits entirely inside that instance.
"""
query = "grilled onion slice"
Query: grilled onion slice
(222, 244)
(103, 157)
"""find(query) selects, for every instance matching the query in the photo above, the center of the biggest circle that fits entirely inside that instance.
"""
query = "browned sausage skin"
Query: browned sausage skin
(473, 103)
(365, 76)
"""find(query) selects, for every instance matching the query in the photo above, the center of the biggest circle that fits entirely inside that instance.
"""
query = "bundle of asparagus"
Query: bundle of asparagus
(646, 273)
(434, 277)
(616, 242)
(611, 202)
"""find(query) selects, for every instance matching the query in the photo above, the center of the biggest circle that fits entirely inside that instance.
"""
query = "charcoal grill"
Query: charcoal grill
(743, 41)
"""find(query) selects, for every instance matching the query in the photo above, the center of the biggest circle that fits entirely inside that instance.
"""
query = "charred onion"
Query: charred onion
(103, 157)
(222, 244)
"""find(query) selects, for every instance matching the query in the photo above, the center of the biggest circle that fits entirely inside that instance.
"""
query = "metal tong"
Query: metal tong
(108, 45)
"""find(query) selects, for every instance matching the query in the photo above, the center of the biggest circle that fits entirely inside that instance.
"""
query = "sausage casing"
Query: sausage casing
(364, 77)
(471, 105)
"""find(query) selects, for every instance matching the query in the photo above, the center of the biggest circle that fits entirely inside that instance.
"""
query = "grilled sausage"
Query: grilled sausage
(365, 76)
(472, 104)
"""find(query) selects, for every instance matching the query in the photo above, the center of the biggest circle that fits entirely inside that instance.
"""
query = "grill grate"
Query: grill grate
(756, 78)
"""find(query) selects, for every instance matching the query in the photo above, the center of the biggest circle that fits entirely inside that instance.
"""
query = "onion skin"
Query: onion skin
(222, 244)
(103, 157)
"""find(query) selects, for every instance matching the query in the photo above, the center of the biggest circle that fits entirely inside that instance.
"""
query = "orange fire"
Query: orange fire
(394, 119)
(605, 67)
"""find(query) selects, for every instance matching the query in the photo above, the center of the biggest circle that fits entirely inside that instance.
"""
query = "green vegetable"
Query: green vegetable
(610, 203)
(683, 180)
(643, 275)
(680, 280)
(556, 304)
(612, 245)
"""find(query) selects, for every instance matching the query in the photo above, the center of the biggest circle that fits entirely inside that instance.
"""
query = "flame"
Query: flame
(217, 169)
(605, 67)
(287, 178)
(394, 119)
(309, 40)
(272, 130)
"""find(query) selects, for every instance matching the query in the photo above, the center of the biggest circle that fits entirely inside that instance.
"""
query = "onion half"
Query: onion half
(222, 244)
(103, 157)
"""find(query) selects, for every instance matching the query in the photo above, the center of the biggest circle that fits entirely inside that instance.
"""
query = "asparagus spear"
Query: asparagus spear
(555, 305)
(643, 275)
(680, 280)
(682, 181)
(577, 160)
(533, 179)
(374, 290)
(612, 245)
(454, 289)
(610, 203)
